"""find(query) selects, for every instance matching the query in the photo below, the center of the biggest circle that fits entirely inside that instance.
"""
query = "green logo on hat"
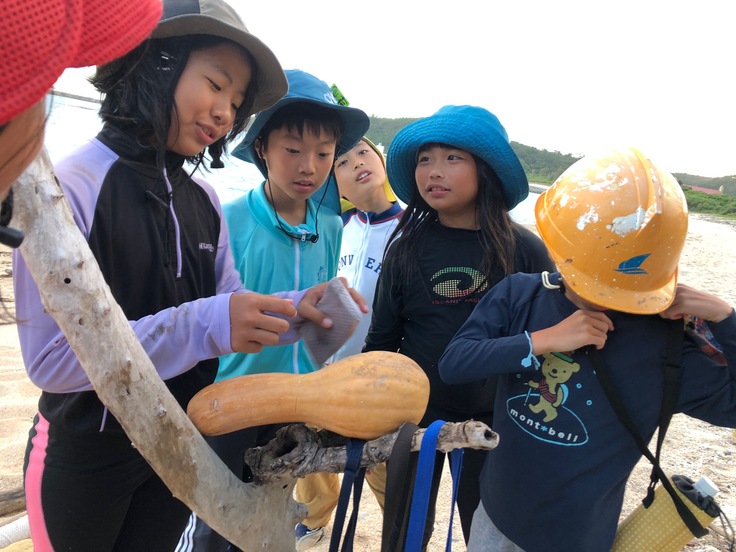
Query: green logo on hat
(342, 100)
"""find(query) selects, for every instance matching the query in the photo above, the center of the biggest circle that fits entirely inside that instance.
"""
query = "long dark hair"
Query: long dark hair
(139, 91)
(496, 229)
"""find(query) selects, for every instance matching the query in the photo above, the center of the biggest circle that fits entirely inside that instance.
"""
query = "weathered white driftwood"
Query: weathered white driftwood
(259, 515)
(14, 531)
(297, 450)
(75, 294)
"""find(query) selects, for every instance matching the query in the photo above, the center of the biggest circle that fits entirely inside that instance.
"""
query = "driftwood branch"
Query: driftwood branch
(298, 450)
(254, 516)
(13, 500)
(75, 294)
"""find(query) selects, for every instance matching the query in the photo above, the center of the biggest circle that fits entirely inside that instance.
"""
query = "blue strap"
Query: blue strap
(456, 466)
(352, 481)
(422, 484)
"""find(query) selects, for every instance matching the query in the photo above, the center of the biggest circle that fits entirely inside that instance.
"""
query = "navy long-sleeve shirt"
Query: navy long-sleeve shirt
(556, 481)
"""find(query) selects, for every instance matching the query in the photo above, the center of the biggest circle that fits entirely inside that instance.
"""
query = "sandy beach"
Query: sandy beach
(692, 448)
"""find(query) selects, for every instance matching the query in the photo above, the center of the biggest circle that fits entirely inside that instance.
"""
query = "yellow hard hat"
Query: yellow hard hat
(615, 225)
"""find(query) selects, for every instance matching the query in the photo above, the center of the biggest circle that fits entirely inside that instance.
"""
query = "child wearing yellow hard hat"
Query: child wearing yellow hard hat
(615, 225)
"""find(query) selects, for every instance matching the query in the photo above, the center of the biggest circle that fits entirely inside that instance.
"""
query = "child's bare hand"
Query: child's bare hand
(581, 328)
(251, 325)
(697, 303)
(309, 310)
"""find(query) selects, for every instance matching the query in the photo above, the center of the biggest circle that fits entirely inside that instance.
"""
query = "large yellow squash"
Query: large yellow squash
(362, 396)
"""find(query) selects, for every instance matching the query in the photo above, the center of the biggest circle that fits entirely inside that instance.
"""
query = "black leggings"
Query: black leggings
(96, 493)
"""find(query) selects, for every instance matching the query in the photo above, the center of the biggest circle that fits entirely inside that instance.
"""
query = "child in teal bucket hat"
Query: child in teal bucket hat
(282, 234)
(305, 89)
(459, 177)
(473, 129)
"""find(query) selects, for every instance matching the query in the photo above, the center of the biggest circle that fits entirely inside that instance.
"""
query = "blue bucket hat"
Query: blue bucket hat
(466, 127)
(304, 87)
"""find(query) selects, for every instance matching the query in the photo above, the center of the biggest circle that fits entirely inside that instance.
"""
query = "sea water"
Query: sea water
(72, 122)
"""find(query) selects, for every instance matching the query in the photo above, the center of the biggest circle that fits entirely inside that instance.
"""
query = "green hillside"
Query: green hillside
(540, 165)
(382, 131)
(728, 182)
(544, 167)
(699, 202)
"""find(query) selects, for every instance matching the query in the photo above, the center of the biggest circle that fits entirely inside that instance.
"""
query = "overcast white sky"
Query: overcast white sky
(566, 75)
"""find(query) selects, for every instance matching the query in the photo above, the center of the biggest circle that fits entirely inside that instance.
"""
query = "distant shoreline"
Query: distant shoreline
(75, 96)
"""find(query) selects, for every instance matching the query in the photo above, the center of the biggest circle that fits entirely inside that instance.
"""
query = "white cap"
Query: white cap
(706, 487)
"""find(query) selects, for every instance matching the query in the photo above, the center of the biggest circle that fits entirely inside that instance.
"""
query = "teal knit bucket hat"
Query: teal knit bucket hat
(465, 127)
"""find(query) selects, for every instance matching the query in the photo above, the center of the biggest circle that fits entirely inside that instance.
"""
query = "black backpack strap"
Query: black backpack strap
(672, 381)
(400, 470)
(673, 371)
(352, 483)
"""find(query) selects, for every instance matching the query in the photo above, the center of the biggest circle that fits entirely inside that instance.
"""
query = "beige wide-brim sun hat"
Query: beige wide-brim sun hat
(217, 18)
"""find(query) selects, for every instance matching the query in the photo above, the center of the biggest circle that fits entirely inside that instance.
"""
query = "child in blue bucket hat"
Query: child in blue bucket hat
(459, 177)
(283, 236)
(304, 88)
(473, 129)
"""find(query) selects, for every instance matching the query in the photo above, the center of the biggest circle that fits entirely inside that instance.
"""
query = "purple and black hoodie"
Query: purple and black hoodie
(162, 246)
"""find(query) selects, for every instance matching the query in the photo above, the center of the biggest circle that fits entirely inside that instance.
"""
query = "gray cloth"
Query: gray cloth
(336, 303)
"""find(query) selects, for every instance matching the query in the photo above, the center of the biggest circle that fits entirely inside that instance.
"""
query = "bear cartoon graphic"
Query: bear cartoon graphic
(557, 369)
